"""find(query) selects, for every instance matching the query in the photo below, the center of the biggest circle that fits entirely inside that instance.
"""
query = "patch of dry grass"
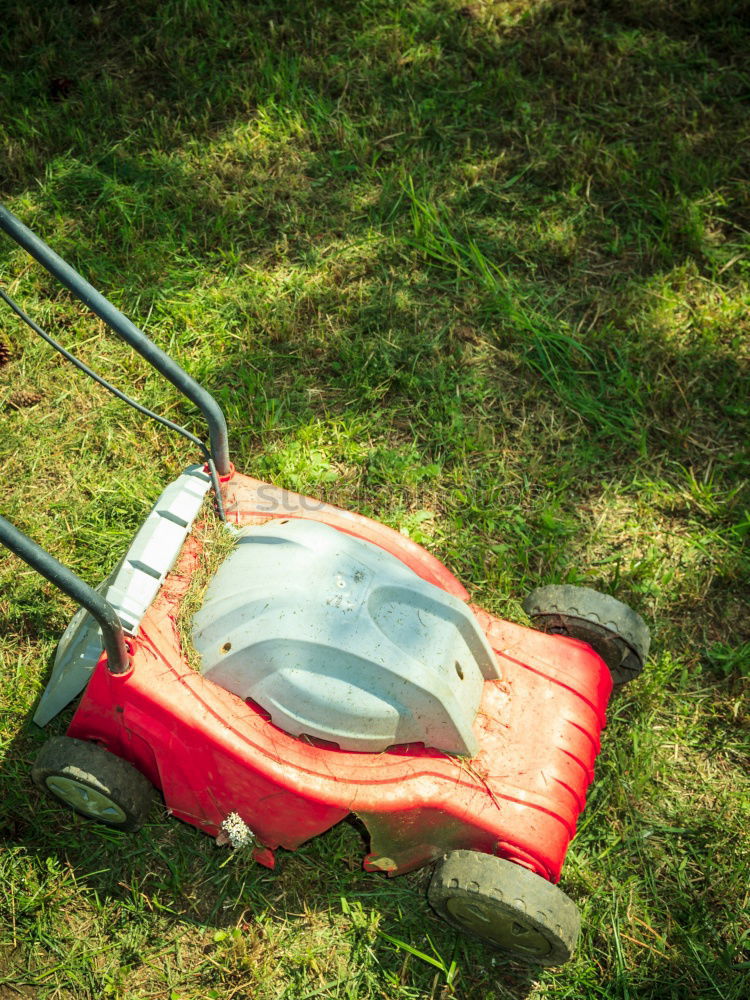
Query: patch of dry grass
(216, 540)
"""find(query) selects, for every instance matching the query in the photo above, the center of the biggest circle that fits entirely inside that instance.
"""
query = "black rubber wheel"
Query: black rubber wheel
(615, 631)
(93, 782)
(505, 905)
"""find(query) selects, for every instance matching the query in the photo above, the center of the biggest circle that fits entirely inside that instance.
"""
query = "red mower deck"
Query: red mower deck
(211, 754)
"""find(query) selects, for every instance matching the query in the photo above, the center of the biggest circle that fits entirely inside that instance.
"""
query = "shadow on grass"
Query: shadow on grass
(170, 883)
(501, 245)
(310, 917)
(548, 174)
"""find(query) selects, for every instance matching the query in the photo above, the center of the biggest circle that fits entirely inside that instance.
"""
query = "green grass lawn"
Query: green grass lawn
(478, 270)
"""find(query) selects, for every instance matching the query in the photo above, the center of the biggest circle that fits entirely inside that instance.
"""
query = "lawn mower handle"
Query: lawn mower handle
(105, 615)
(217, 426)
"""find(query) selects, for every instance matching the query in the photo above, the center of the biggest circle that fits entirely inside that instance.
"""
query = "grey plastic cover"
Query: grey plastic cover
(339, 640)
(130, 589)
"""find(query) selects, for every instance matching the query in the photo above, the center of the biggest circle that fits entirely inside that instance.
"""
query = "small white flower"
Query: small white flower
(237, 832)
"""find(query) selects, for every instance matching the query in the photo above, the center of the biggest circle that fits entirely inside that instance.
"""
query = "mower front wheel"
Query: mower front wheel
(611, 628)
(93, 782)
(506, 905)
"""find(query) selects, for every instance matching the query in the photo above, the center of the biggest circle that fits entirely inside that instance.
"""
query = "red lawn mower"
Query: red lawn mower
(342, 670)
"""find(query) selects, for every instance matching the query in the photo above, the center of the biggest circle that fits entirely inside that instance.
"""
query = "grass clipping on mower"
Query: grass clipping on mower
(216, 540)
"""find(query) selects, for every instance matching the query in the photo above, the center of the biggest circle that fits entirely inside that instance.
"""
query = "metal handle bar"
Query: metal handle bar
(217, 425)
(72, 585)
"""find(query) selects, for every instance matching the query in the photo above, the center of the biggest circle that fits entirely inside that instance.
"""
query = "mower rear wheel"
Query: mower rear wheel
(506, 905)
(611, 628)
(93, 782)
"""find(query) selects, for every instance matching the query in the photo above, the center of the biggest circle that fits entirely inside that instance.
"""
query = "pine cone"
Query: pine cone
(24, 398)
(5, 353)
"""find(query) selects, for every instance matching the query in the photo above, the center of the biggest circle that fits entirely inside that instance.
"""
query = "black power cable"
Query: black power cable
(123, 396)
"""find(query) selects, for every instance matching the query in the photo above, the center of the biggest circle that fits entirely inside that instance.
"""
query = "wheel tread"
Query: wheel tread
(513, 891)
(92, 765)
(619, 634)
